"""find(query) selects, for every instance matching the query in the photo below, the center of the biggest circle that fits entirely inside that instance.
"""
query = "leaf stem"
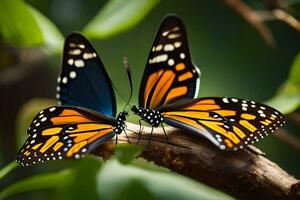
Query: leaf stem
(8, 168)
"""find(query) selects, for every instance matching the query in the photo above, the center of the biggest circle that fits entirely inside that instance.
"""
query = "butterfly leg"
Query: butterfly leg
(150, 135)
(116, 142)
(127, 137)
(140, 132)
(140, 123)
(170, 143)
(165, 133)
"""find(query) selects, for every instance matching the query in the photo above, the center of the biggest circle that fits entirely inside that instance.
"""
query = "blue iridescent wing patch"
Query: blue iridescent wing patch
(83, 80)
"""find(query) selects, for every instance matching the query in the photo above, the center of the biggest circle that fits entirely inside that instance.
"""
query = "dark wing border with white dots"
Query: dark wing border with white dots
(29, 155)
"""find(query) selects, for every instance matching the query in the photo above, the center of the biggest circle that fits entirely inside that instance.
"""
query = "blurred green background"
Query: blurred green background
(232, 55)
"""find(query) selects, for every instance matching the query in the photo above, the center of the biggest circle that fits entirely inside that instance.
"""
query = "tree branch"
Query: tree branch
(251, 17)
(245, 174)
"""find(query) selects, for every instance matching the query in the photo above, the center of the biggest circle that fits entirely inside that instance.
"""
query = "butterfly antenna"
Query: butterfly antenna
(117, 91)
(128, 71)
(120, 95)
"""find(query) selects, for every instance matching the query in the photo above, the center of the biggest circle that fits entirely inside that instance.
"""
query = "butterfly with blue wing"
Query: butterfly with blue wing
(168, 95)
(86, 117)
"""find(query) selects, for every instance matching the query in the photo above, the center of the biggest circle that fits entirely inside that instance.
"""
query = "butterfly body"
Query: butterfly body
(151, 116)
(121, 118)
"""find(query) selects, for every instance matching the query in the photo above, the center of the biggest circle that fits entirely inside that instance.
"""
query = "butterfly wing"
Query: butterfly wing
(169, 74)
(83, 80)
(245, 121)
(63, 133)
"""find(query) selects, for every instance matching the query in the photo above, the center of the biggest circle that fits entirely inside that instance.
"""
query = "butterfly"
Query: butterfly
(86, 117)
(169, 89)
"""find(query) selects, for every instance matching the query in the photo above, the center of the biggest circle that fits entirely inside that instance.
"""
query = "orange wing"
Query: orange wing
(169, 74)
(64, 132)
(230, 123)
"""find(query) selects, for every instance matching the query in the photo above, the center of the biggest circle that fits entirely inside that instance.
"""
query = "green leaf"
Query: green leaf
(118, 16)
(53, 39)
(22, 25)
(286, 103)
(83, 183)
(75, 183)
(294, 75)
(27, 113)
(145, 164)
(43, 181)
(288, 97)
(125, 153)
(18, 25)
(116, 181)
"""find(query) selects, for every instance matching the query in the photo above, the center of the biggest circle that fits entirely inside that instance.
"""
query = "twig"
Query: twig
(287, 18)
(294, 117)
(253, 19)
(288, 138)
(245, 174)
(281, 15)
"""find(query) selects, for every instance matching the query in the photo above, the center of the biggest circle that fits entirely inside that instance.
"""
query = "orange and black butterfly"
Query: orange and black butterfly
(171, 82)
(87, 117)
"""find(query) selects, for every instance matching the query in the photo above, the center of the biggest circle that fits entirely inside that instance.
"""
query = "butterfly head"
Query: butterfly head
(136, 110)
(123, 115)
(152, 117)
(121, 122)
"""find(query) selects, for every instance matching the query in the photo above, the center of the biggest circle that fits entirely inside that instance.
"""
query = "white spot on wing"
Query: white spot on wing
(79, 63)
(177, 44)
(159, 47)
(70, 61)
(176, 28)
(72, 74)
(234, 100)
(171, 62)
(262, 115)
(72, 44)
(182, 55)
(225, 100)
(165, 33)
(65, 80)
(43, 119)
(173, 35)
(87, 56)
(77, 156)
(75, 52)
(160, 58)
(169, 47)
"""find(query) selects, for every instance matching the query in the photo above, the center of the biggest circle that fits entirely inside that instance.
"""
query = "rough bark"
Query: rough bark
(245, 174)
